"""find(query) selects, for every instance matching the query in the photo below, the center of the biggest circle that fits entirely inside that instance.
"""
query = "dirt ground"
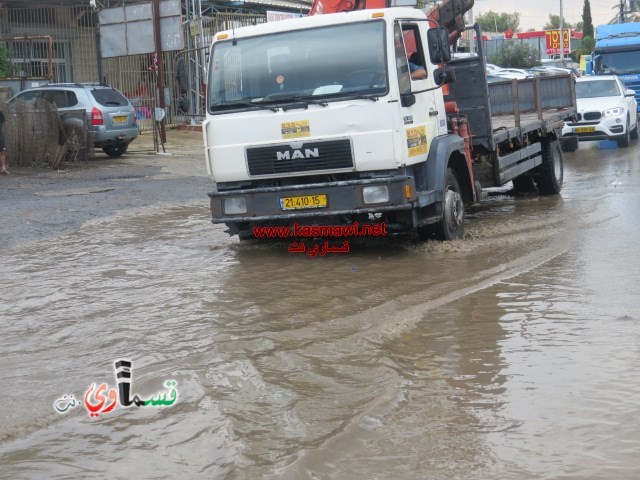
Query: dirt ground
(183, 153)
(179, 143)
(40, 202)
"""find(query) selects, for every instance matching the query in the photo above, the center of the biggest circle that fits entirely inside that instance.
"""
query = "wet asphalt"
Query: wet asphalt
(40, 203)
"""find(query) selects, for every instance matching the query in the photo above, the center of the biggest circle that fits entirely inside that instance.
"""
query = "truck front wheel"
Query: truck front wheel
(451, 226)
(551, 171)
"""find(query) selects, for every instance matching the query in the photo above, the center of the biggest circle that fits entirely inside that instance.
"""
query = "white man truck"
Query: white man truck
(319, 121)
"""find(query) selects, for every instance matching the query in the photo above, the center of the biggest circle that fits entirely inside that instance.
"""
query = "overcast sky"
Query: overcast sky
(535, 13)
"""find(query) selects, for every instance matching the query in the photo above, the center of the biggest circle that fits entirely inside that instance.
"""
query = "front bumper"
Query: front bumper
(607, 128)
(344, 198)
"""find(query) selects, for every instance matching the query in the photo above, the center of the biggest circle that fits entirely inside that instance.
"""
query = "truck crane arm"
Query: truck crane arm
(449, 14)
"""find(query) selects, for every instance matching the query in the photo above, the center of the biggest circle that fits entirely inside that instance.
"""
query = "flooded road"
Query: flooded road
(510, 354)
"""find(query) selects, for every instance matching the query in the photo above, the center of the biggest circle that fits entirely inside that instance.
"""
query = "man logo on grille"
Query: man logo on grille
(293, 154)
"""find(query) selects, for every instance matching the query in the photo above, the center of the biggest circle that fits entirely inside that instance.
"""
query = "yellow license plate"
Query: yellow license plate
(119, 119)
(585, 129)
(306, 201)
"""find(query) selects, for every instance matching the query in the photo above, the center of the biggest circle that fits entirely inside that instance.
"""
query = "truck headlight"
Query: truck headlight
(235, 205)
(377, 194)
(613, 112)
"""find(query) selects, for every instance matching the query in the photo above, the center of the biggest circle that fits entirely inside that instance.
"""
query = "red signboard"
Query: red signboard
(553, 41)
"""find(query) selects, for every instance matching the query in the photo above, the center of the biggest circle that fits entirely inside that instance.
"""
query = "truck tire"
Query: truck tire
(524, 184)
(569, 144)
(624, 140)
(551, 171)
(451, 225)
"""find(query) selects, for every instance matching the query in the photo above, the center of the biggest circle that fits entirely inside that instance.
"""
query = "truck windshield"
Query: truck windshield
(618, 63)
(323, 63)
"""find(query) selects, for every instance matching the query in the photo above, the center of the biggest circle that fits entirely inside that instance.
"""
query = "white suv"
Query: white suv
(110, 116)
(607, 110)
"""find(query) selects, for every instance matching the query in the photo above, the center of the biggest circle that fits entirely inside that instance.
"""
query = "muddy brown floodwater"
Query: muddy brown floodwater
(512, 354)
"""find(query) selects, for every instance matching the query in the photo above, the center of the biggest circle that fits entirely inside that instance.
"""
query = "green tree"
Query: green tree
(516, 54)
(498, 22)
(587, 28)
(588, 44)
(554, 23)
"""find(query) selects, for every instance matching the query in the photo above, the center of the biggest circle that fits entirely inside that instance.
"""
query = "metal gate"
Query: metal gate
(74, 56)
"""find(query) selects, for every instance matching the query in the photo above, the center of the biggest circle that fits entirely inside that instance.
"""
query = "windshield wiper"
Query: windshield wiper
(306, 98)
(359, 97)
(244, 104)
(285, 97)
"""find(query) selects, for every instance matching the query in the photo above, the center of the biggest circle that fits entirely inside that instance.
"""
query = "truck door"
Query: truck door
(415, 77)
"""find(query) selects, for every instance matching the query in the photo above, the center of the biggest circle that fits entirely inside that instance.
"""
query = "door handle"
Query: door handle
(433, 113)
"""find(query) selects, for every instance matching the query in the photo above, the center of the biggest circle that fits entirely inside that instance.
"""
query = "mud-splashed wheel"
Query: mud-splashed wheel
(551, 171)
(451, 225)
(524, 184)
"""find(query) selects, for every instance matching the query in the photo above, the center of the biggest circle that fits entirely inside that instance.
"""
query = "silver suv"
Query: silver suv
(110, 116)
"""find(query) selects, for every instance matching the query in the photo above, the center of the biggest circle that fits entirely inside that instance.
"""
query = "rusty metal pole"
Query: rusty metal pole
(158, 40)
(50, 53)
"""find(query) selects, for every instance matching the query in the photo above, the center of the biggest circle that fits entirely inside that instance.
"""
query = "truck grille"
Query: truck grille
(311, 156)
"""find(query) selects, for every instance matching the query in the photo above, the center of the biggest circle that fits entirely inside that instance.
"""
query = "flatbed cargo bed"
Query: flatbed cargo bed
(500, 111)
(505, 126)
(502, 114)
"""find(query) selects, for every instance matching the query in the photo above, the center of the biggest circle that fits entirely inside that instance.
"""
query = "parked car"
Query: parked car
(495, 78)
(607, 110)
(555, 71)
(110, 116)
(514, 71)
(495, 73)
(504, 75)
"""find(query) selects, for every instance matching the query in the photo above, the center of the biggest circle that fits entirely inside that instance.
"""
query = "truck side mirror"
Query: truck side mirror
(443, 76)
(589, 68)
(439, 49)
(407, 99)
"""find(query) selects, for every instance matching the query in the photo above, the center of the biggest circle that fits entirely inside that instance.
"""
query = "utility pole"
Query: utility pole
(561, 36)
(159, 59)
(622, 19)
(472, 45)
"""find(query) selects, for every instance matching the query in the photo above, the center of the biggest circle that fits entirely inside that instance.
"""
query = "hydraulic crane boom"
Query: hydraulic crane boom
(449, 14)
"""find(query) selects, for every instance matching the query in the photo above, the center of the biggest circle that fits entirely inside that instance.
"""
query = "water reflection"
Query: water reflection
(510, 354)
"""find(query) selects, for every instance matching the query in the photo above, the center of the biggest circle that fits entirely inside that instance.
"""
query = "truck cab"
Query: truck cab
(617, 52)
(324, 107)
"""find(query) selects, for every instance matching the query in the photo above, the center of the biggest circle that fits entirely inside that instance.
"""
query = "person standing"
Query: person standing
(3, 157)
